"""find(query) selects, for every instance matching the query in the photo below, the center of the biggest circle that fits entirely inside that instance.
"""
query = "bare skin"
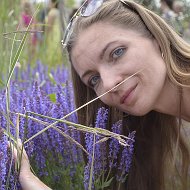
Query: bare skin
(105, 55)
(27, 179)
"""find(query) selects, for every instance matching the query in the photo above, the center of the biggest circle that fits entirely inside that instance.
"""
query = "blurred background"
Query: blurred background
(47, 20)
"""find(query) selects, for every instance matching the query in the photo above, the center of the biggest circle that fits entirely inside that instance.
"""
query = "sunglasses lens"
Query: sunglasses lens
(90, 7)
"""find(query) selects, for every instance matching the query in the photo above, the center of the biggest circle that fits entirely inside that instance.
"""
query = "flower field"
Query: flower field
(37, 106)
(31, 109)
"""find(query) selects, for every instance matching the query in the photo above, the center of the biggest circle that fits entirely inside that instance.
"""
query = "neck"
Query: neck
(174, 101)
(185, 104)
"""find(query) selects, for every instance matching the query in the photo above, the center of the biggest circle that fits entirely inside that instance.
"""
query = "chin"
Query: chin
(137, 112)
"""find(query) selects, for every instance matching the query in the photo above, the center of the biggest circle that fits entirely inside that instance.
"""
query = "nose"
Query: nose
(110, 79)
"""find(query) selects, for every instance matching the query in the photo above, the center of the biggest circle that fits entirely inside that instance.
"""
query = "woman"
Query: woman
(53, 54)
(122, 46)
(27, 20)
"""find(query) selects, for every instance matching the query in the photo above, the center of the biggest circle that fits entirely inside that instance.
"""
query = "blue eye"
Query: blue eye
(93, 81)
(118, 52)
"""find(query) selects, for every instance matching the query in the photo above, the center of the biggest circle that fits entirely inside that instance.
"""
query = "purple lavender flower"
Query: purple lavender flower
(50, 153)
(100, 159)
(89, 140)
(100, 149)
(114, 146)
(126, 158)
(3, 159)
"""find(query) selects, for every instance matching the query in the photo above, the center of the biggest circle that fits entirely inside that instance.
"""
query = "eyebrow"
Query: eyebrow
(85, 74)
(101, 57)
(105, 48)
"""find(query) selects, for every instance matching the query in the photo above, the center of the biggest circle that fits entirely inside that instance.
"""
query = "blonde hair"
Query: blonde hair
(157, 133)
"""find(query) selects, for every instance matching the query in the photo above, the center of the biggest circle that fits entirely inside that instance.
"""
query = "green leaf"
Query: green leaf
(63, 84)
(52, 97)
(107, 183)
(18, 53)
(19, 50)
(51, 78)
(1, 83)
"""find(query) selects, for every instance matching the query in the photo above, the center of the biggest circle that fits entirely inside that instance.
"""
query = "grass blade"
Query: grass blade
(60, 120)
(19, 50)
(97, 131)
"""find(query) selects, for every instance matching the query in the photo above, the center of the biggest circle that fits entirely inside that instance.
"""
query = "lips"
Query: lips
(127, 93)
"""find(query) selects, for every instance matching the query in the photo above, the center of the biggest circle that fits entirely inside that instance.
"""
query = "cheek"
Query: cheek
(105, 100)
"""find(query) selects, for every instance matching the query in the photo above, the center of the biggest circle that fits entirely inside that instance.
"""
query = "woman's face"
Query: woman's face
(105, 55)
(51, 4)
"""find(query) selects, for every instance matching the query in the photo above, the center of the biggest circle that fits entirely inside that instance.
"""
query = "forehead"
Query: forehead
(95, 34)
(94, 38)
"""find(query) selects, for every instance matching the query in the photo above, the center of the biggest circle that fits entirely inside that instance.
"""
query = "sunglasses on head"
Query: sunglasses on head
(88, 8)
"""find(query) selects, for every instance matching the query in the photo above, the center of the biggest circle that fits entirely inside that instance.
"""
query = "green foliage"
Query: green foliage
(70, 3)
(9, 11)
(99, 184)
(10, 40)
(63, 180)
(151, 4)
(52, 97)
(186, 13)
